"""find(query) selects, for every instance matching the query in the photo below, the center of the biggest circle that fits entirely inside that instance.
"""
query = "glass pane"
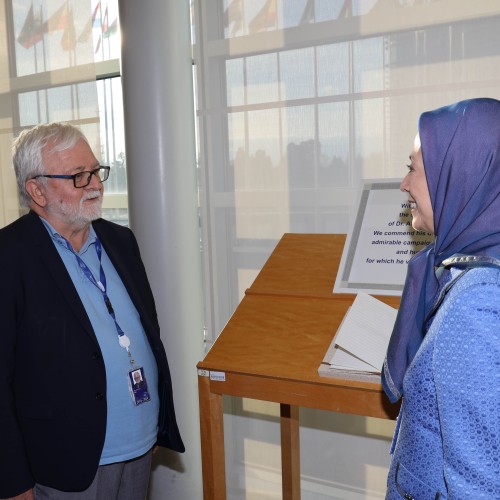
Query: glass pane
(235, 82)
(64, 103)
(368, 62)
(105, 30)
(327, 10)
(112, 133)
(333, 144)
(118, 215)
(296, 74)
(369, 138)
(262, 78)
(248, 17)
(238, 155)
(296, 13)
(332, 63)
(263, 147)
(50, 35)
(298, 142)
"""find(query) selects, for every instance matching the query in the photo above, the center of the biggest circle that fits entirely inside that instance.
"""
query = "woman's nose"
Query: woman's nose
(404, 184)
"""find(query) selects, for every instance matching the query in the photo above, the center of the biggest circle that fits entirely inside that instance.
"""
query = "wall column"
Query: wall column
(161, 163)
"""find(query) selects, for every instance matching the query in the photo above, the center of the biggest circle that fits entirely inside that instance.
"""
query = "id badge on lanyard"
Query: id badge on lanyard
(136, 378)
(138, 386)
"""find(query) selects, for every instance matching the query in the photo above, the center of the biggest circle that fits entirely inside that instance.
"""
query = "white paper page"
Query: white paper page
(342, 360)
(366, 330)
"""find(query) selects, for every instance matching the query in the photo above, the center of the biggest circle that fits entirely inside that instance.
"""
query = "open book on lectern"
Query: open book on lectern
(361, 341)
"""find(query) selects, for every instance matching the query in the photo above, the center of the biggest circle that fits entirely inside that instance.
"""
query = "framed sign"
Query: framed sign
(381, 241)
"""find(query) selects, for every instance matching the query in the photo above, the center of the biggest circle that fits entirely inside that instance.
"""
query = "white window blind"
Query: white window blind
(298, 100)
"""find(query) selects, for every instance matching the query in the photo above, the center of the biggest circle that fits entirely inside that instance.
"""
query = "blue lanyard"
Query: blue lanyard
(123, 340)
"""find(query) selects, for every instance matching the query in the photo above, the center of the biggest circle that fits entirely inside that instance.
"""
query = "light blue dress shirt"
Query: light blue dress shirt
(130, 430)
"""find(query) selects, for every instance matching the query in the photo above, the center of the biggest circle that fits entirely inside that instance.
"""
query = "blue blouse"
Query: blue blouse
(447, 440)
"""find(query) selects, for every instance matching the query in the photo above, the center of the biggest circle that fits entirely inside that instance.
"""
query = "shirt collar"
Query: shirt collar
(60, 240)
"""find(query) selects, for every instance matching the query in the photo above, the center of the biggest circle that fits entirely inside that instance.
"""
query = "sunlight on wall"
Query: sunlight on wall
(377, 427)
(261, 407)
(376, 477)
(352, 445)
(262, 470)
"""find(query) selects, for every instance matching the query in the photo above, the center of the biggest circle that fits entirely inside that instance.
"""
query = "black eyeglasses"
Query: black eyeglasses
(81, 179)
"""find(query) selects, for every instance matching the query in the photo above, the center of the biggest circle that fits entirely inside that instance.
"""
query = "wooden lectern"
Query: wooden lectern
(271, 349)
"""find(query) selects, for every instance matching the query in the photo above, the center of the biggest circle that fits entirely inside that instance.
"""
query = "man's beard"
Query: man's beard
(79, 215)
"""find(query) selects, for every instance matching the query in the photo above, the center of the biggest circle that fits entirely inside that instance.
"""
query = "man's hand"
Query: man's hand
(27, 495)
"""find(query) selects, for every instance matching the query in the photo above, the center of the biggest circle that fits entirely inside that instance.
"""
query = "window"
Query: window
(112, 151)
(301, 99)
(49, 76)
(298, 101)
(106, 45)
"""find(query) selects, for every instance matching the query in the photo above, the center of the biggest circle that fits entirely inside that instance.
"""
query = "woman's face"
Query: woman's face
(415, 184)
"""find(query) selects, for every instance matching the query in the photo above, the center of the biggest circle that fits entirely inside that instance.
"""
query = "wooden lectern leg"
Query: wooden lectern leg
(290, 451)
(212, 442)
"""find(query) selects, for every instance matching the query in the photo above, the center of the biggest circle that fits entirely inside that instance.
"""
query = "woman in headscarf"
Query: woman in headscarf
(444, 355)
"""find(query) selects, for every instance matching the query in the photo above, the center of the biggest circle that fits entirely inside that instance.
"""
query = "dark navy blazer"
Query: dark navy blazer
(52, 375)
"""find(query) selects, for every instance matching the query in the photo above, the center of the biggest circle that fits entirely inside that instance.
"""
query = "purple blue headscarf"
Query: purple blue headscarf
(461, 154)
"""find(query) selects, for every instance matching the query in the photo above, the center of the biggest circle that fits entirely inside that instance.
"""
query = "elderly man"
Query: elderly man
(77, 320)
